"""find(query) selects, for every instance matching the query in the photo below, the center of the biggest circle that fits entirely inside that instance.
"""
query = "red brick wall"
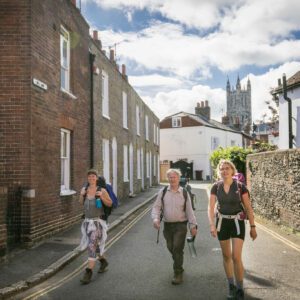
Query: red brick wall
(31, 118)
(186, 122)
(3, 227)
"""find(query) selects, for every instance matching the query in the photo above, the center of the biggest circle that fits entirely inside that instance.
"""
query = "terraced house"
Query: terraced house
(65, 107)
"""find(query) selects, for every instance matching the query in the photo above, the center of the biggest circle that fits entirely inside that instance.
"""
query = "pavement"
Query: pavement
(28, 267)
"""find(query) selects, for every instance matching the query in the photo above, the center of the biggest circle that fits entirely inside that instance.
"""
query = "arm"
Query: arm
(250, 215)
(211, 214)
(191, 216)
(82, 195)
(156, 211)
(103, 194)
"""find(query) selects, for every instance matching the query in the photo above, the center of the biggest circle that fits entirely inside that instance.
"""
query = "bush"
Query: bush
(235, 154)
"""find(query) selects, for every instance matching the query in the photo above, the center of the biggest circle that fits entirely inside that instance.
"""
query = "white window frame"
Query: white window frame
(154, 133)
(106, 159)
(138, 163)
(147, 127)
(65, 64)
(157, 134)
(65, 157)
(215, 142)
(148, 164)
(125, 110)
(154, 164)
(125, 163)
(137, 112)
(105, 95)
(176, 122)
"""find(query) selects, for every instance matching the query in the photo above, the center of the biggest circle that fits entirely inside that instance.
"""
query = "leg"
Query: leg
(237, 246)
(168, 235)
(227, 258)
(178, 246)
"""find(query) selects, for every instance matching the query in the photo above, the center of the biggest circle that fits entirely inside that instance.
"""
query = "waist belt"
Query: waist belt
(236, 219)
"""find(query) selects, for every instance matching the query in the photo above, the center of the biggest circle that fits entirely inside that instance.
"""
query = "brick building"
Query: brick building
(48, 137)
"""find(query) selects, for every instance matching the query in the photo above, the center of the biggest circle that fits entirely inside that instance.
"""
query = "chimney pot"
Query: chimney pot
(95, 35)
(202, 104)
(279, 81)
(112, 55)
(206, 103)
(73, 2)
(123, 70)
(198, 104)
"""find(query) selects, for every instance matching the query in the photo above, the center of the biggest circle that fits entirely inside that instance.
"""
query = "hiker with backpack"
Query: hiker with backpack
(230, 203)
(173, 206)
(94, 199)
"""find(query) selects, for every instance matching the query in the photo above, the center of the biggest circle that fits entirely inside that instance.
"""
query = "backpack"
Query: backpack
(107, 209)
(239, 177)
(243, 214)
(162, 200)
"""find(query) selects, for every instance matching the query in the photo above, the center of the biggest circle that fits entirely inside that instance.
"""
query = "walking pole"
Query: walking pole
(160, 219)
(157, 236)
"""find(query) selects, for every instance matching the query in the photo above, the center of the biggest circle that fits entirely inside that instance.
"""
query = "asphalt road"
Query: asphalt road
(141, 269)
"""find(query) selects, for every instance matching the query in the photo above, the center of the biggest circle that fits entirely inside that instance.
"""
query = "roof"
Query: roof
(203, 121)
(292, 82)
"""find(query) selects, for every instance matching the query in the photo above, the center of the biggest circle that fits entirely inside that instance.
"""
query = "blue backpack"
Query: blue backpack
(112, 196)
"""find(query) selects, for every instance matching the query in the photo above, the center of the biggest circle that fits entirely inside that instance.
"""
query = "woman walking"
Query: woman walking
(94, 226)
(231, 199)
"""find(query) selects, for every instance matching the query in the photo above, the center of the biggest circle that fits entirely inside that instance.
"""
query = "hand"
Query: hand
(83, 191)
(156, 224)
(213, 230)
(194, 231)
(253, 233)
(99, 194)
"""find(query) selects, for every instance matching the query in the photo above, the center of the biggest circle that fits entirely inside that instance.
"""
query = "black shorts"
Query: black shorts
(228, 230)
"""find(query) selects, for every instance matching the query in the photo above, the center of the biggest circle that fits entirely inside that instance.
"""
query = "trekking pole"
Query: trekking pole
(160, 219)
(157, 236)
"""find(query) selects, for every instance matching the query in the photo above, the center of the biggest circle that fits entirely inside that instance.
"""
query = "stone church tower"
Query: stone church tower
(239, 115)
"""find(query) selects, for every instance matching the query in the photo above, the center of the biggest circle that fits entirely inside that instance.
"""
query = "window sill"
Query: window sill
(67, 193)
(106, 117)
(126, 180)
(125, 127)
(68, 93)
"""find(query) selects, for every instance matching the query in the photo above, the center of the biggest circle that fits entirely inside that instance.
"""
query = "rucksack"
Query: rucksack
(239, 177)
(107, 209)
(162, 200)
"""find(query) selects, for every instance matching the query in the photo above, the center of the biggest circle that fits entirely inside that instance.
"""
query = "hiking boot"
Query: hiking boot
(178, 278)
(103, 265)
(87, 276)
(231, 292)
(239, 294)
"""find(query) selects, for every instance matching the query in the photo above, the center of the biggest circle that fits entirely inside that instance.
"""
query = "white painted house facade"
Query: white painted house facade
(193, 137)
(293, 93)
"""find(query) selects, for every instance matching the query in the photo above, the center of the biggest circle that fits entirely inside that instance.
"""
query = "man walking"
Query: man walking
(173, 206)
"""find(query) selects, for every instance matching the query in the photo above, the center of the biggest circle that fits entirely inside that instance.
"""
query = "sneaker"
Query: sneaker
(240, 294)
(103, 265)
(87, 276)
(178, 278)
(231, 292)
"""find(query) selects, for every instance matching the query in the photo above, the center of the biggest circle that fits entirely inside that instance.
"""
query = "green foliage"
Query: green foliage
(262, 147)
(235, 154)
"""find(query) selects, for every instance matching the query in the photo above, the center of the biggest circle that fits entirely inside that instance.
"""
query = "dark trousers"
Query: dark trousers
(175, 234)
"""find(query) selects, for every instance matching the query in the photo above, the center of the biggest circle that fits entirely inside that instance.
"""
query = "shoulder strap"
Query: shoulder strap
(185, 198)
(162, 202)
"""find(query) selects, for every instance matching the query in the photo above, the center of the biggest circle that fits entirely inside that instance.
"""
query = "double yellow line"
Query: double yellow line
(79, 269)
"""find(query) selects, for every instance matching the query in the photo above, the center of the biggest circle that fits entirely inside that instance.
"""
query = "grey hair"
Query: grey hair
(177, 171)
(225, 162)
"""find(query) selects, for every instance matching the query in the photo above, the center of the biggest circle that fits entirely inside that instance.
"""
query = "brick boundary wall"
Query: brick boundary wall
(274, 182)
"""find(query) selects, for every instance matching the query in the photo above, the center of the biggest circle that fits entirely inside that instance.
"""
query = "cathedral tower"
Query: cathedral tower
(238, 100)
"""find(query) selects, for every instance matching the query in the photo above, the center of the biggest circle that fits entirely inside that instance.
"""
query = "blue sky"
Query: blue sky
(178, 52)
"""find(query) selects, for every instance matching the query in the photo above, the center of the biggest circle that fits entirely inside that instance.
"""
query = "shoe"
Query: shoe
(231, 293)
(240, 294)
(103, 265)
(178, 278)
(87, 276)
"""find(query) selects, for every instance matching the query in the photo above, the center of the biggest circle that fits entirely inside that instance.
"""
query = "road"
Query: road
(141, 269)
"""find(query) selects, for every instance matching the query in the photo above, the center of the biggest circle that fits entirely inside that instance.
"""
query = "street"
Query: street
(142, 269)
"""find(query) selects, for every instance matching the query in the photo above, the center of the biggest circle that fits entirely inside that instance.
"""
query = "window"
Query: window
(65, 159)
(124, 100)
(125, 163)
(138, 163)
(64, 59)
(157, 134)
(154, 133)
(176, 122)
(137, 111)
(154, 164)
(215, 142)
(147, 164)
(147, 128)
(105, 100)
(105, 159)
(232, 143)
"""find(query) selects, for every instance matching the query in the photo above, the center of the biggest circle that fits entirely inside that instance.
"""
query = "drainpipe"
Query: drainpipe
(92, 59)
(289, 101)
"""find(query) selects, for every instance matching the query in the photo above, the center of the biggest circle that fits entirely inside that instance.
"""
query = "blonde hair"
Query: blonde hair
(177, 171)
(225, 162)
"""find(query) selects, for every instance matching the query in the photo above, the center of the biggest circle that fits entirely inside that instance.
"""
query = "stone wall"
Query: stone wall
(274, 182)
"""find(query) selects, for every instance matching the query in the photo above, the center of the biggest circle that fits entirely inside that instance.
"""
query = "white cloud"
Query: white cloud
(168, 103)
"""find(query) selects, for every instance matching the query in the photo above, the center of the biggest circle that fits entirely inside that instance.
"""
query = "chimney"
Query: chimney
(96, 39)
(73, 2)
(124, 72)
(203, 110)
(225, 120)
(112, 55)
(279, 82)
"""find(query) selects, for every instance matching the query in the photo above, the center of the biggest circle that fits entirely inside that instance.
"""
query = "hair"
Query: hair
(177, 171)
(102, 182)
(225, 162)
(92, 172)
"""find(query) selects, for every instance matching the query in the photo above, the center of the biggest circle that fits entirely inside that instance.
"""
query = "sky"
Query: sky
(180, 52)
